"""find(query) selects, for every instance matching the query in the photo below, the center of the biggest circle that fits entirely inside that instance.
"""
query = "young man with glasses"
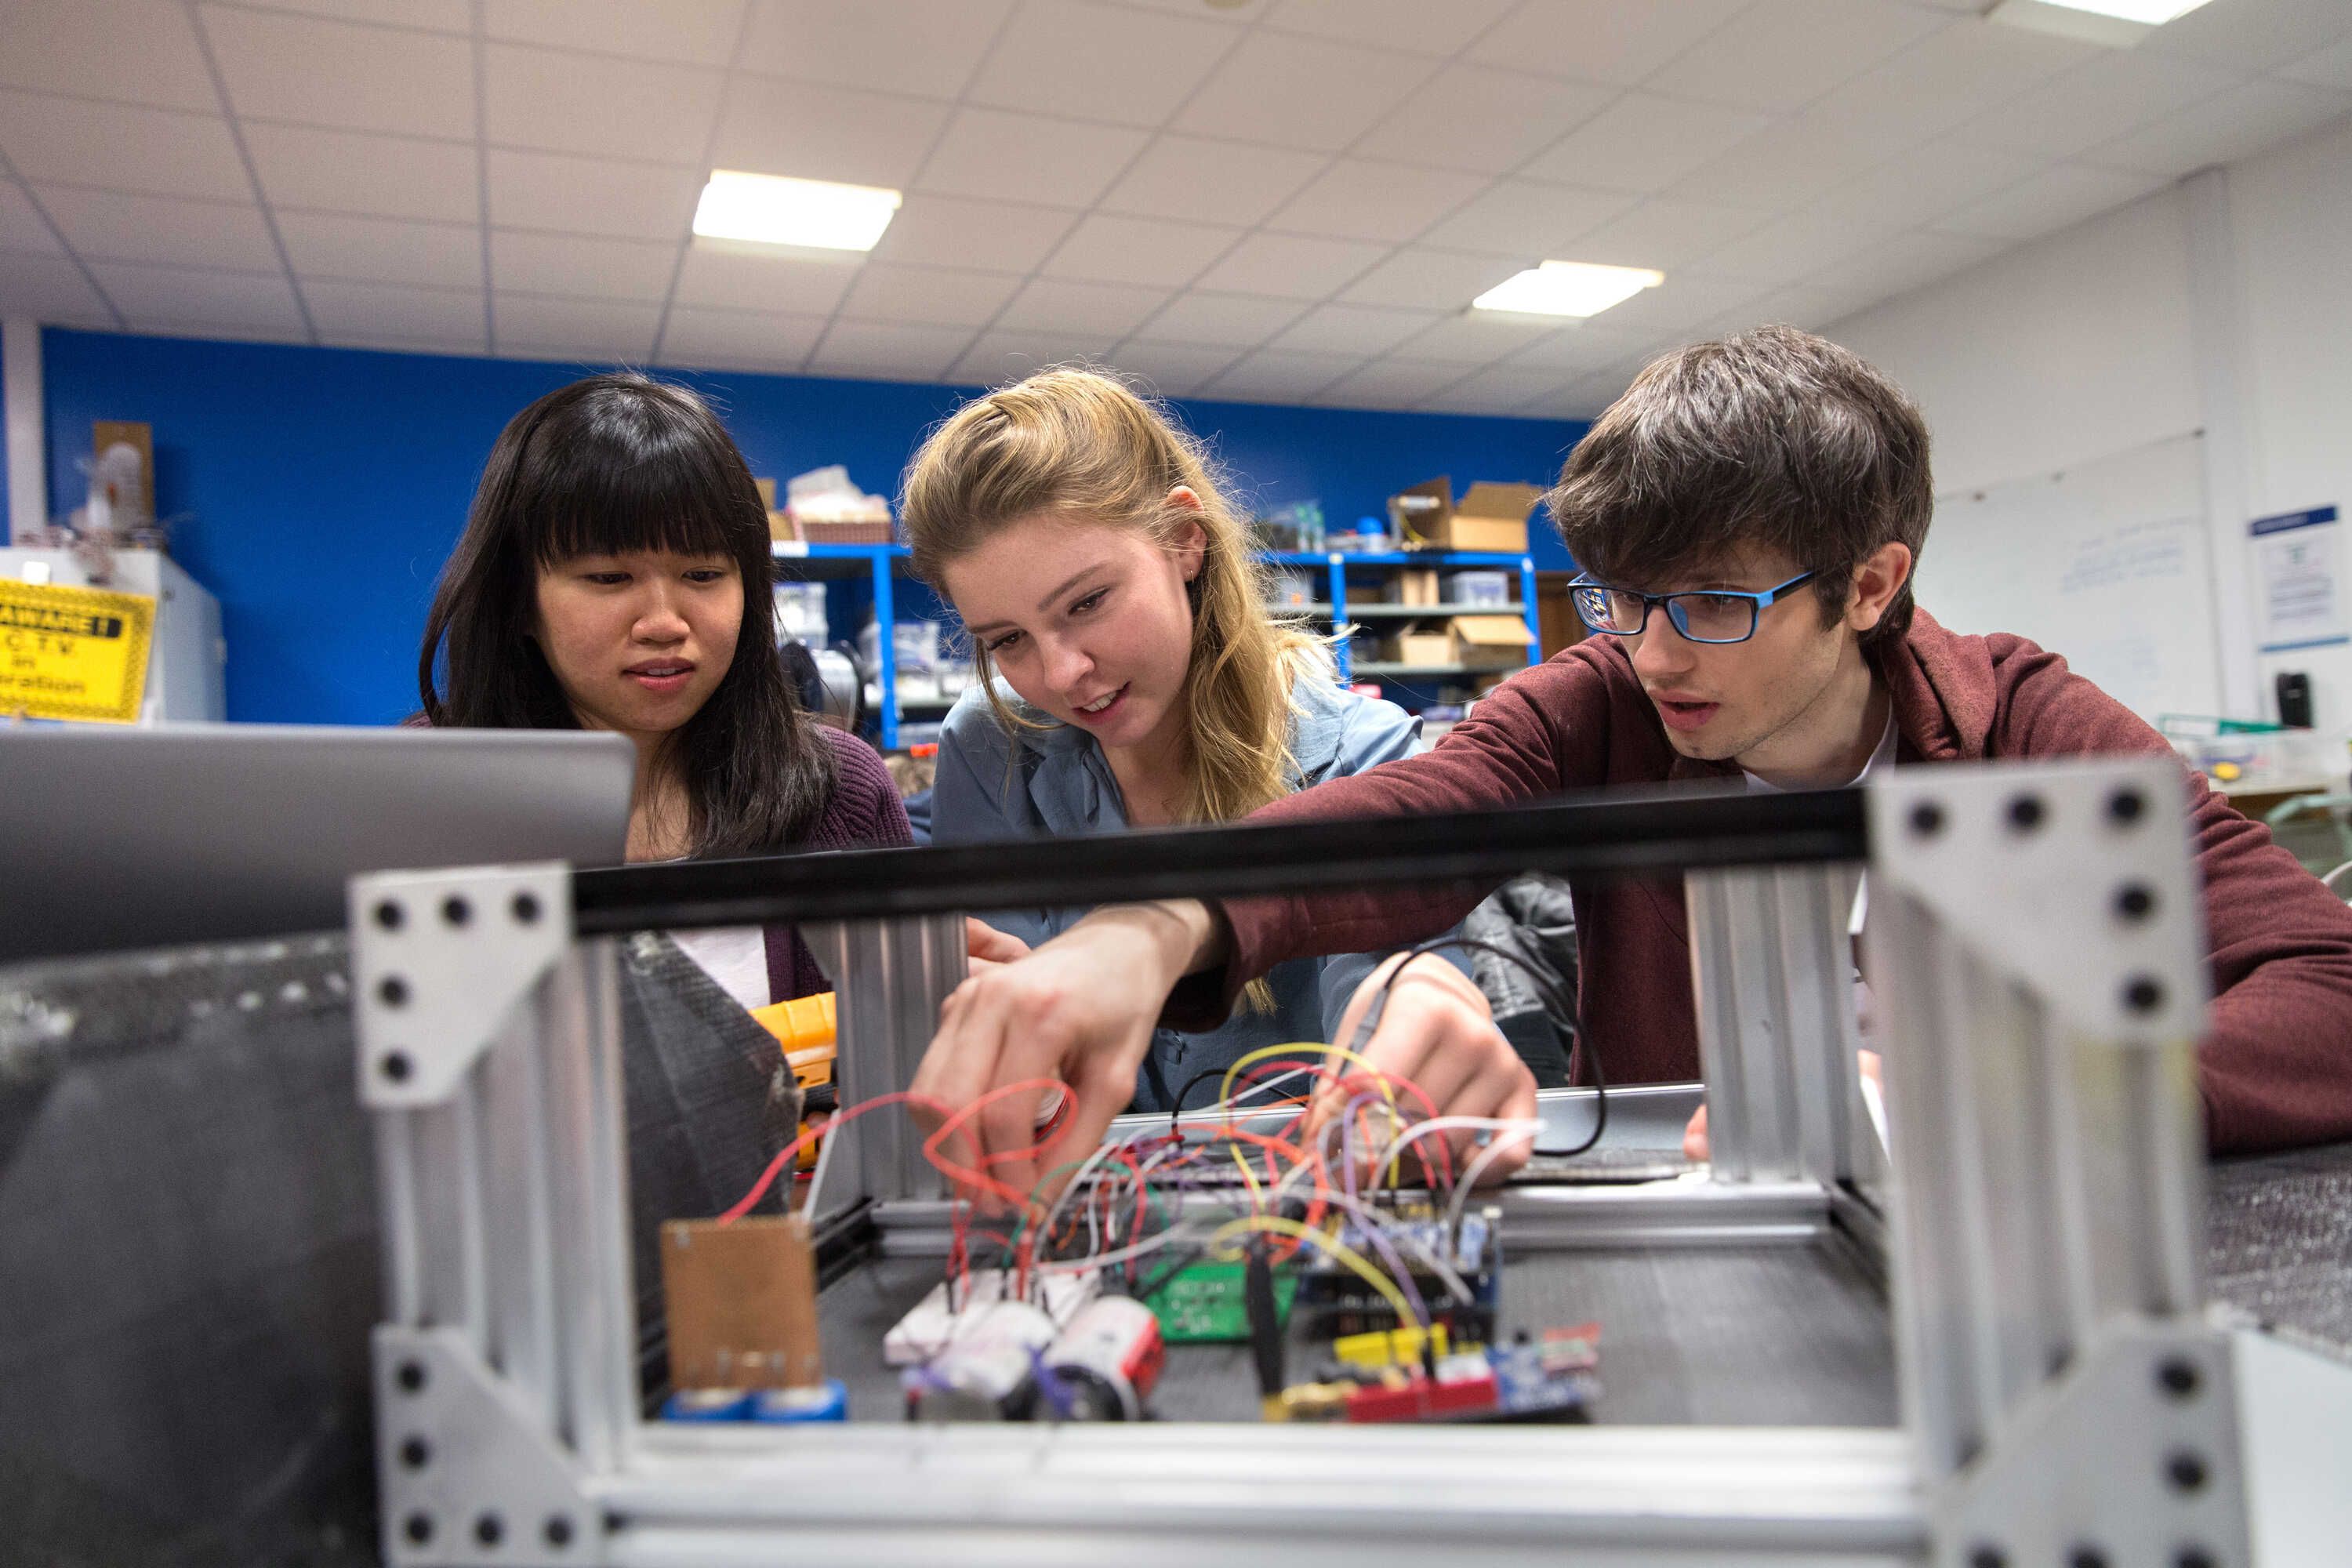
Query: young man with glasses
(1748, 515)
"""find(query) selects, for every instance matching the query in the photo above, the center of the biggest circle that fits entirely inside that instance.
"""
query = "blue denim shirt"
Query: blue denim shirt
(991, 786)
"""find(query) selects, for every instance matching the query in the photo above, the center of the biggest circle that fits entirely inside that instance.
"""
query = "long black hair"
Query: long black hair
(616, 463)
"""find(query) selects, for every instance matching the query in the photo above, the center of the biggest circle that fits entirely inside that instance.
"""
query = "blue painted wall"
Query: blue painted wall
(316, 491)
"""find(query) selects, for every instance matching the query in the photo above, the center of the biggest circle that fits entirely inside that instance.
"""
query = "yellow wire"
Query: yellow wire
(1346, 1256)
(1381, 1079)
(1258, 1198)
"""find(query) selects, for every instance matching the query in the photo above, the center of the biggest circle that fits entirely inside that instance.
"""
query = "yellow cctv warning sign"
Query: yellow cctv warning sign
(73, 653)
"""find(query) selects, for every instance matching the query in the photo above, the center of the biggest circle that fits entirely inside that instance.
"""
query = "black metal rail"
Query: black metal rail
(1603, 834)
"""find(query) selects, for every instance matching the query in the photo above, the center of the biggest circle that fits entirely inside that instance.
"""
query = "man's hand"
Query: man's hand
(1081, 1009)
(1438, 1032)
(985, 944)
(1695, 1146)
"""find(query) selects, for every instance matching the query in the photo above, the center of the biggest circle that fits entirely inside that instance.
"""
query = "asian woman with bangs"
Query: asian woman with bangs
(614, 575)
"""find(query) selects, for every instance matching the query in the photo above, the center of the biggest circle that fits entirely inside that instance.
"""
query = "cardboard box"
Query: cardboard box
(1490, 642)
(1488, 516)
(1423, 649)
(1413, 585)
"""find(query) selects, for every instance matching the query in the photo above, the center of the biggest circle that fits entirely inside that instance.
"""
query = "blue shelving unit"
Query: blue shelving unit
(879, 565)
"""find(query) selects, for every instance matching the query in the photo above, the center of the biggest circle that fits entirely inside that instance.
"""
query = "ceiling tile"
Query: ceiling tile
(927, 47)
(928, 296)
(1358, 329)
(2327, 68)
(352, 77)
(351, 172)
(1173, 370)
(1272, 375)
(598, 331)
(574, 103)
(1356, 200)
(23, 230)
(382, 250)
(1943, 80)
(2235, 123)
(1574, 351)
(1588, 397)
(1391, 384)
(788, 282)
(1291, 266)
(1907, 261)
(1028, 158)
(162, 229)
(1666, 233)
(899, 352)
(1221, 321)
(1430, 279)
(433, 16)
(1678, 306)
(1087, 309)
(2117, 92)
(1138, 250)
(121, 148)
(1811, 309)
(1602, 41)
(824, 132)
(1925, 183)
(1782, 165)
(689, 32)
(1229, 182)
(738, 340)
(949, 231)
(50, 289)
(1481, 119)
(1788, 53)
(591, 195)
(1503, 390)
(1468, 338)
(135, 51)
(187, 297)
(575, 267)
(474, 346)
(1093, 62)
(1788, 249)
(1300, 93)
(1529, 219)
(1644, 142)
(387, 312)
(1413, 25)
(2062, 194)
(1000, 358)
(2254, 34)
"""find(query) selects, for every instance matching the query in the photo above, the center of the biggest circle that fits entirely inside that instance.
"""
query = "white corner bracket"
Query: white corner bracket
(440, 959)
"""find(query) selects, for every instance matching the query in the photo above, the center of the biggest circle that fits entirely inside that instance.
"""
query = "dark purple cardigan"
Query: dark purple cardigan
(864, 813)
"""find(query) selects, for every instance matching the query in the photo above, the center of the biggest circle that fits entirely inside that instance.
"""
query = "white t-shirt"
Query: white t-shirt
(734, 956)
(1882, 756)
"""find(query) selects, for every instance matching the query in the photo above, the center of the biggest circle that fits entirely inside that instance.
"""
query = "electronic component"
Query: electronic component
(988, 1371)
(827, 1401)
(1105, 1365)
(1533, 1378)
(1206, 1302)
(933, 1325)
(708, 1404)
(1396, 1347)
(1345, 1305)
(740, 1302)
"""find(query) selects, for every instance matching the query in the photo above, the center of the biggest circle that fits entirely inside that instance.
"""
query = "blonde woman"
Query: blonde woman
(1131, 674)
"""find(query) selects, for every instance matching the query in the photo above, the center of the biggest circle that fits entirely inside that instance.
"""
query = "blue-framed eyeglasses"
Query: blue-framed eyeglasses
(1714, 615)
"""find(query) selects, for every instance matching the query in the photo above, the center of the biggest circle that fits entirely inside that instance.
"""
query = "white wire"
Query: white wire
(1529, 1125)
(1486, 1157)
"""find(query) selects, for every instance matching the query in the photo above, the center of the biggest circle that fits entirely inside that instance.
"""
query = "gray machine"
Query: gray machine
(2062, 1394)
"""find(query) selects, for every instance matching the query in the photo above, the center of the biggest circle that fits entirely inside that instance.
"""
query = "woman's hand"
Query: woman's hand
(1081, 1009)
(1438, 1032)
(985, 944)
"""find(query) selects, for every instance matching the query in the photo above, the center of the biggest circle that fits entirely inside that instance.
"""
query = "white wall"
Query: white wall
(2084, 346)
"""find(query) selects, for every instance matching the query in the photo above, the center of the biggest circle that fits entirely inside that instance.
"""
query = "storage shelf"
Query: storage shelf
(1510, 559)
(1366, 667)
(1417, 612)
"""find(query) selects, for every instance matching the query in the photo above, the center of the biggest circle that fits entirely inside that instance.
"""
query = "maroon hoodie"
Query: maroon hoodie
(2275, 1070)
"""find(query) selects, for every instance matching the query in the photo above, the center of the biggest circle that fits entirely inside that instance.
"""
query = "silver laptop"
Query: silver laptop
(116, 838)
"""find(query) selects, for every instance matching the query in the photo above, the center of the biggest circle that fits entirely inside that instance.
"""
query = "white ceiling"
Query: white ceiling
(1280, 201)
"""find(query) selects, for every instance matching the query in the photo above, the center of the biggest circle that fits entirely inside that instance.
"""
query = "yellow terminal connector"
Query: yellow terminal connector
(1390, 1347)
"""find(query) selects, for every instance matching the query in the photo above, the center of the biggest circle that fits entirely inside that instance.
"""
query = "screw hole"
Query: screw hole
(489, 1529)
(415, 1454)
(411, 1377)
(526, 908)
(2025, 813)
(418, 1528)
(2193, 1557)
(2143, 995)
(1926, 820)
(2087, 1557)
(1988, 1556)
(2177, 1376)
(390, 916)
(397, 1067)
(2135, 901)
(2185, 1471)
(394, 990)
(2125, 805)
(455, 910)
(558, 1531)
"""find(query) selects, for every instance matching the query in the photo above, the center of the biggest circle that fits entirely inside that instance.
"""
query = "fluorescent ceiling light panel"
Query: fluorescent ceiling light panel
(770, 209)
(2117, 23)
(1568, 288)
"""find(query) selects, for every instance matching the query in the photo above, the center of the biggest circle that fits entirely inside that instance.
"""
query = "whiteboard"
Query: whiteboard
(2106, 563)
